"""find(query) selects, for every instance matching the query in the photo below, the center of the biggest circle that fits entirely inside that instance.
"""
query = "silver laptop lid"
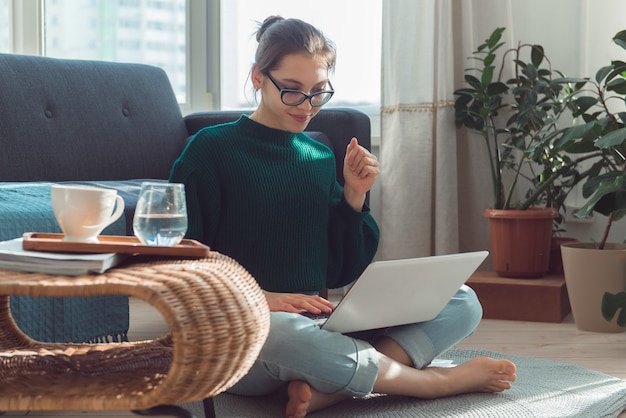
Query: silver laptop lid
(397, 292)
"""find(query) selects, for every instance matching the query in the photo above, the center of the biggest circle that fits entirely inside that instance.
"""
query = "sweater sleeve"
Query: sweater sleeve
(203, 199)
(353, 241)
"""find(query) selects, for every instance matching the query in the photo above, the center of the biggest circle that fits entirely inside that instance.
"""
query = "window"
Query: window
(353, 25)
(146, 31)
(4, 26)
(205, 46)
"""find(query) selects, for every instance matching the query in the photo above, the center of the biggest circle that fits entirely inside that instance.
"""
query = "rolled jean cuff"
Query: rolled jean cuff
(415, 342)
(362, 382)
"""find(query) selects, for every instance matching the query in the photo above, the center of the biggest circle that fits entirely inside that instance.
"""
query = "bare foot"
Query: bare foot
(304, 399)
(481, 374)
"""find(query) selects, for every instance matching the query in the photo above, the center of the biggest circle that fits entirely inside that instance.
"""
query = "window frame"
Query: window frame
(26, 27)
(203, 50)
(27, 37)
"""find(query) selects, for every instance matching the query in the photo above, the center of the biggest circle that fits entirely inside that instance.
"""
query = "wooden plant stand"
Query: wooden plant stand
(540, 300)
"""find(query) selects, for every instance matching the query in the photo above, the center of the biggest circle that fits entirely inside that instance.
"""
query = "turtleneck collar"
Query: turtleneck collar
(263, 132)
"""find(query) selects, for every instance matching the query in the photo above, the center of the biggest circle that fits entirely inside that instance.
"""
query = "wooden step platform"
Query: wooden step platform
(539, 300)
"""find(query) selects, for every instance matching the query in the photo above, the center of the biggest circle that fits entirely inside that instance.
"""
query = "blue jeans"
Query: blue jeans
(297, 349)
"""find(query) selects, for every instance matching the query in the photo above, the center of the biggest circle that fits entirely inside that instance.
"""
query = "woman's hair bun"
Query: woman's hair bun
(269, 21)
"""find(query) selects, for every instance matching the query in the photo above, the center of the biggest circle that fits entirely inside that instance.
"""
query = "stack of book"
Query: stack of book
(14, 257)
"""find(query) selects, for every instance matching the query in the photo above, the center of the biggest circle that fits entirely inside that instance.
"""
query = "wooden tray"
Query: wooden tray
(37, 241)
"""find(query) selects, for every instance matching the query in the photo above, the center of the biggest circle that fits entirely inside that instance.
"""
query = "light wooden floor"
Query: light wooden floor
(560, 342)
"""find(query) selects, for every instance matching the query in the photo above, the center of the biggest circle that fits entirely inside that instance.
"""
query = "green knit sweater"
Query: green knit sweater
(270, 200)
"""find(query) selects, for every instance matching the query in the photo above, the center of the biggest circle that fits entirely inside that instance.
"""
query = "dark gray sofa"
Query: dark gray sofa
(104, 123)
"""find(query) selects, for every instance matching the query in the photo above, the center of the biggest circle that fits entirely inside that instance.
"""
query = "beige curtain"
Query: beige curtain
(435, 183)
(419, 204)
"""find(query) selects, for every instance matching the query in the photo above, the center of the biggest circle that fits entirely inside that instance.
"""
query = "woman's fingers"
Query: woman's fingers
(360, 161)
(297, 302)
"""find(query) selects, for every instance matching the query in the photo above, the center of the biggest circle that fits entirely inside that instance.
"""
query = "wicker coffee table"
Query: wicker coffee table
(218, 320)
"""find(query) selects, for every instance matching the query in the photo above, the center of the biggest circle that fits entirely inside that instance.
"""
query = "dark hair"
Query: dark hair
(278, 37)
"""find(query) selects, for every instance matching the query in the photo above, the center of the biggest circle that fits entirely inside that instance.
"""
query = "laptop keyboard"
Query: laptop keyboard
(319, 318)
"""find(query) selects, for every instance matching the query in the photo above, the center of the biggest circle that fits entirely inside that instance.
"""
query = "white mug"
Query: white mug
(84, 211)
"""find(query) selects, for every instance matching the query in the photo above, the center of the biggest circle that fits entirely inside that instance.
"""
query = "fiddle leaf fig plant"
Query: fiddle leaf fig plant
(514, 116)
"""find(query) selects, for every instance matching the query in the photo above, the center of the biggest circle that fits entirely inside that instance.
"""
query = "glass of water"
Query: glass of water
(161, 214)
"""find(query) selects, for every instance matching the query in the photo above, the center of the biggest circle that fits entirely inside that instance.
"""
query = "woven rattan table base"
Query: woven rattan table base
(218, 320)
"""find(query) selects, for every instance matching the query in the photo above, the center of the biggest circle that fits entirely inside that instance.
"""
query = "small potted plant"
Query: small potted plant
(513, 117)
(595, 271)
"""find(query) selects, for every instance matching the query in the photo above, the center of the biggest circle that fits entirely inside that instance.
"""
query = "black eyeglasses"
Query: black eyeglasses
(292, 97)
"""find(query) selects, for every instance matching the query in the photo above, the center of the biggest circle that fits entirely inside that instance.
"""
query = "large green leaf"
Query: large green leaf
(537, 55)
(618, 86)
(603, 72)
(620, 39)
(487, 76)
(497, 88)
(467, 92)
(601, 180)
(572, 133)
(494, 38)
(614, 203)
(531, 71)
(619, 69)
(614, 138)
(473, 81)
(611, 304)
(584, 104)
(461, 103)
(610, 184)
(489, 60)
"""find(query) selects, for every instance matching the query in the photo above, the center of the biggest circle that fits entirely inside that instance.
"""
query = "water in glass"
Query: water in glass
(161, 214)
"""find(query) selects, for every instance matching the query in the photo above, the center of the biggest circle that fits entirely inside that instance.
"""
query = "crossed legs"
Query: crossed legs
(401, 373)
(322, 368)
(481, 374)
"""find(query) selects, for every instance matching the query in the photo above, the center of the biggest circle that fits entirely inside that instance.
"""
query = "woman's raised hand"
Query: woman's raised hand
(360, 170)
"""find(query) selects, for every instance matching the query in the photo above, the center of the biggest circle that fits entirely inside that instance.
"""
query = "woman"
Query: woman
(264, 193)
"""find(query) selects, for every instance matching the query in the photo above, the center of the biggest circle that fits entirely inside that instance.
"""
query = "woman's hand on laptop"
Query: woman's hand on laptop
(297, 303)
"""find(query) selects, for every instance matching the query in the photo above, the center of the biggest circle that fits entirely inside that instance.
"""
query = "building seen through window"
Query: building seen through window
(147, 31)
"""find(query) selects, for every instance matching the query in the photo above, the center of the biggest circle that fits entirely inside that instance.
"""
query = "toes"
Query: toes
(299, 398)
(509, 370)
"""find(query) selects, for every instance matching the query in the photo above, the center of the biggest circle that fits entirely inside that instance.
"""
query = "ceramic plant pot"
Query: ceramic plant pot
(556, 260)
(520, 241)
(589, 272)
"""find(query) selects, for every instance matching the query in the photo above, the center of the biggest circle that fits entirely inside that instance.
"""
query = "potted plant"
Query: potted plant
(595, 271)
(513, 117)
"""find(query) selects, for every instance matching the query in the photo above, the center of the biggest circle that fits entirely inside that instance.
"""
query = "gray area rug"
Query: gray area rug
(543, 389)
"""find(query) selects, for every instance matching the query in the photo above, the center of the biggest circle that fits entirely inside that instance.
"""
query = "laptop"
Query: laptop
(397, 292)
